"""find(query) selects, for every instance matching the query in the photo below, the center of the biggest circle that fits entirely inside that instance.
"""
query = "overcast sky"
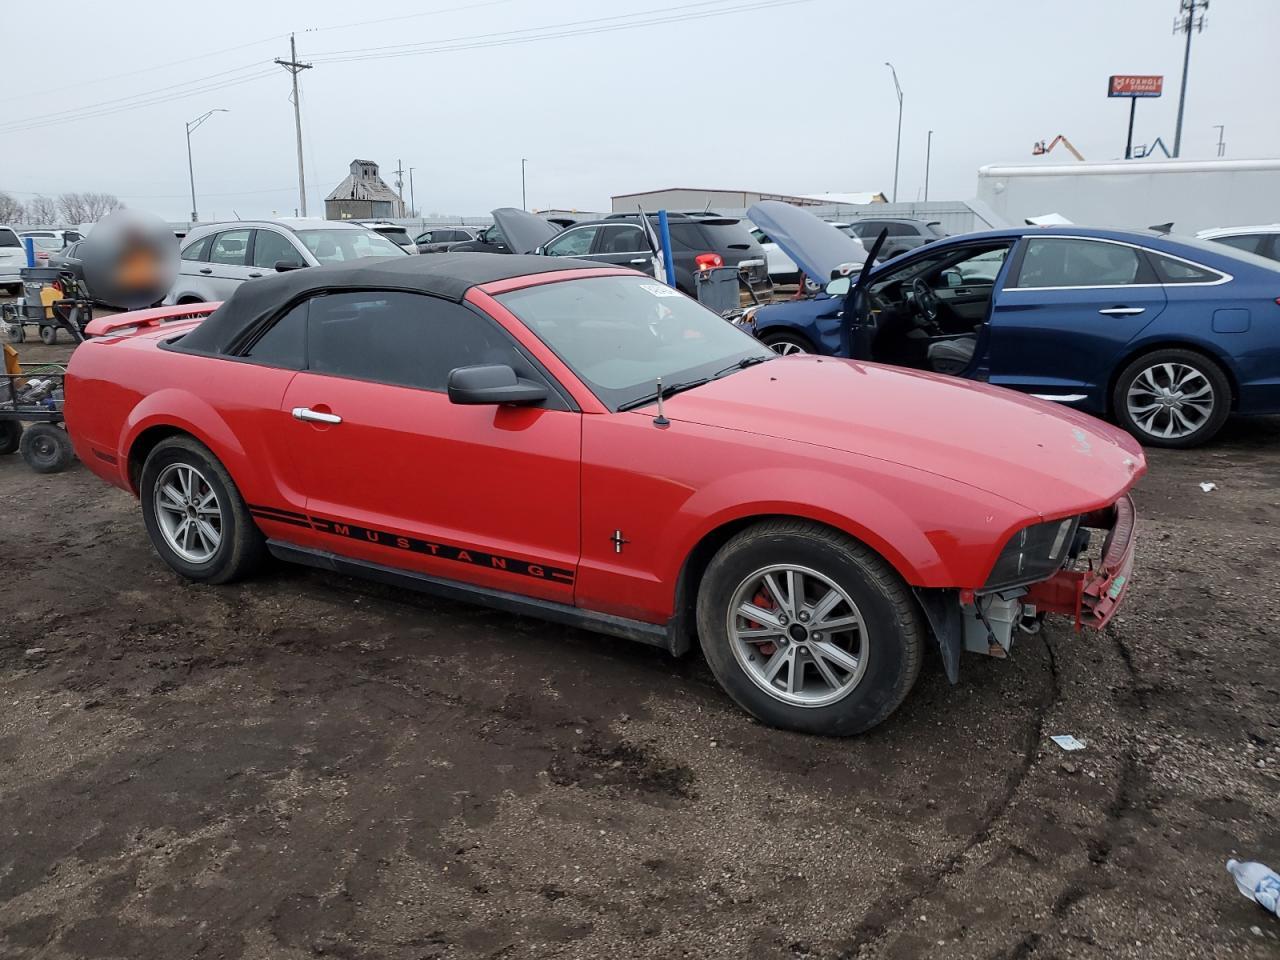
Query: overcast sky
(770, 95)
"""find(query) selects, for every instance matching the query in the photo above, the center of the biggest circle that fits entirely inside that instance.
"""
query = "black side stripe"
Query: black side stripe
(442, 551)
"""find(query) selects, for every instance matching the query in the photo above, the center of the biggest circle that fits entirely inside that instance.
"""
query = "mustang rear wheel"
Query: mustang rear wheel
(807, 629)
(1172, 398)
(194, 514)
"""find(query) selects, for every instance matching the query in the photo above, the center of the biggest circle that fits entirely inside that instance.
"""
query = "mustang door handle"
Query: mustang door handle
(1122, 311)
(306, 413)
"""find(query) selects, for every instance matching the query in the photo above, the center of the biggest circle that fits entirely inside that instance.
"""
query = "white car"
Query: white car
(392, 231)
(1263, 240)
(64, 237)
(13, 257)
(216, 258)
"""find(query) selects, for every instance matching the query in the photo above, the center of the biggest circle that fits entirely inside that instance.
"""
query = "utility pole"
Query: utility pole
(1190, 18)
(1222, 144)
(524, 202)
(400, 183)
(928, 153)
(293, 66)
(413, 204)
(897, 152)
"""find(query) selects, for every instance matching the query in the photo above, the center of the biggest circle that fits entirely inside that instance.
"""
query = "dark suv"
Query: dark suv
(904, 234)
(620, 239)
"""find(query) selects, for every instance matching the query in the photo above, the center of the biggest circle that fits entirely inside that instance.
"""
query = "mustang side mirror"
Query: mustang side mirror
(283, 266)
(492, 383)
(539, 251)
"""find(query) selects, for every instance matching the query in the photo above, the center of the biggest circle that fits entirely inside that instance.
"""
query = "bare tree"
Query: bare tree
(11, 209)
(98, 205)
(72, 206)
(42, 210)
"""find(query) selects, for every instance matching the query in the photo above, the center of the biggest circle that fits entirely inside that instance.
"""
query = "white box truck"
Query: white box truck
(1135, 194)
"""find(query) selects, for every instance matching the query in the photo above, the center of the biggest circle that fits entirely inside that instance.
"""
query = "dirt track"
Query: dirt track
(305, 764)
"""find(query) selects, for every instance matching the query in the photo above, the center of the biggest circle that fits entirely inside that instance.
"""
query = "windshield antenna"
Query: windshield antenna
(661, 419)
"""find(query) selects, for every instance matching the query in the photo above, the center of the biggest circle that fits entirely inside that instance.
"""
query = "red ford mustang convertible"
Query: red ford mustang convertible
(591, 447)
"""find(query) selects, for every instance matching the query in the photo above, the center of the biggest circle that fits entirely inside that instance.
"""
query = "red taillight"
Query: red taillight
(707, 261)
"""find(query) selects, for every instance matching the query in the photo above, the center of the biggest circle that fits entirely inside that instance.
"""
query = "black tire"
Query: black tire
(894, 631)
(48, 335)
(46, 448)
(10, 436)
(786, 342)
(241, 548)
(1154, 365)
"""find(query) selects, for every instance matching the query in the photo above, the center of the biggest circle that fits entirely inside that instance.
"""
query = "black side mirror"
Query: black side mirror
(492, 383)
(283, 266)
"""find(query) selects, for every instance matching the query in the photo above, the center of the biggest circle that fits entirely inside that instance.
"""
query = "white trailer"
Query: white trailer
(1134, 194)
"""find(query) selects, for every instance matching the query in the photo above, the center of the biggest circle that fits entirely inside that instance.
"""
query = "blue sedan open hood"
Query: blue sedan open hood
(815, 245)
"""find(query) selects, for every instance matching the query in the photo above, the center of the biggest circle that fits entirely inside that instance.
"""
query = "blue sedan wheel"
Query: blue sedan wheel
(1172, 398)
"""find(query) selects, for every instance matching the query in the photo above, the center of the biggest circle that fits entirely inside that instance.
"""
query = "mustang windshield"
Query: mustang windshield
(620, 334)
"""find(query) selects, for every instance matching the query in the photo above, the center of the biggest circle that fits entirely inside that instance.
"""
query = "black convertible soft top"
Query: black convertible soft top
(447, 275)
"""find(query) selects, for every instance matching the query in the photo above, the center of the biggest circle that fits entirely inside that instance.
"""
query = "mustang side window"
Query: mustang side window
(285, 342)
(407, 339)
(1063, 262)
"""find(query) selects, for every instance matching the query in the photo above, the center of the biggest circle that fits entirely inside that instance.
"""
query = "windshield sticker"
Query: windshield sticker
(660, 289)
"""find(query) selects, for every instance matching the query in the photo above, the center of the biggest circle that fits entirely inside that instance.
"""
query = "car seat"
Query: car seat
(953, 354)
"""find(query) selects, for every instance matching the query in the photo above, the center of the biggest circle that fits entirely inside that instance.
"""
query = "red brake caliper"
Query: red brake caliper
(764, 602)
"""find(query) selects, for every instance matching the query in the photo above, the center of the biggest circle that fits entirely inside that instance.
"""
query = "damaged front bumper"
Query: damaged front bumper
(986, 622)
(1091, 597)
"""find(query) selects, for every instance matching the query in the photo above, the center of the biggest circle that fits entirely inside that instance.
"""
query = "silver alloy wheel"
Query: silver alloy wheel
(797, 635)
(1170, 400)
(785, 348)
(187, 512)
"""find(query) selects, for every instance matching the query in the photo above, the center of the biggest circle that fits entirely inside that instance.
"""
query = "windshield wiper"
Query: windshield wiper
(741, 365)
(664, 393)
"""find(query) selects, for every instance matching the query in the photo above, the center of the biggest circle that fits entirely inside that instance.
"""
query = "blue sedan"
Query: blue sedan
(1166, 335)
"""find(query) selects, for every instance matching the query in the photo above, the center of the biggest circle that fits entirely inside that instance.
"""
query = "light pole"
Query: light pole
(928, 153)
(413, 204)
(191, 170)
(897, 152)
(524, 202)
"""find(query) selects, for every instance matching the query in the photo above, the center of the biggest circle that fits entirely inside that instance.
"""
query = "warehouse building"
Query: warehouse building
(690, 198)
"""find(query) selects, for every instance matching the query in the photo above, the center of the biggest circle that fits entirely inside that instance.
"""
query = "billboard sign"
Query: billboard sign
(1130, 85)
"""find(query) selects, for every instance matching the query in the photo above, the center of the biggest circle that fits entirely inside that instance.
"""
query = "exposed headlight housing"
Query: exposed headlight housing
(1033, 553)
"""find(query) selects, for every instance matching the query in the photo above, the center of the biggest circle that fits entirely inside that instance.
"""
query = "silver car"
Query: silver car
(216, 258)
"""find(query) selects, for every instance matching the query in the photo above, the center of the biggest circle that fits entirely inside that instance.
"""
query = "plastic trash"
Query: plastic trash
(1208, 486)
(1067, 742)
(1257, 882)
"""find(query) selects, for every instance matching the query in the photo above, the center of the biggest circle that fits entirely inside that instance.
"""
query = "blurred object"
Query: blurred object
(130, 259)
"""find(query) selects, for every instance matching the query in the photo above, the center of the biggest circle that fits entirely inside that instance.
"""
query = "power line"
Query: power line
(406, 16)
(576, 28)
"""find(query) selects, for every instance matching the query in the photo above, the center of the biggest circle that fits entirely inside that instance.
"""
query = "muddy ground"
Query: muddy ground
(308, 765)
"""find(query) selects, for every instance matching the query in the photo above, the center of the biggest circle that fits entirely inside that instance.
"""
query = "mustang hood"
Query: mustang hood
(523, 230)
(815, 245)
(1052, 460)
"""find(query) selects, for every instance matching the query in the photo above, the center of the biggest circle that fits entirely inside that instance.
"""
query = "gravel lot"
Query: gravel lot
(309, 765)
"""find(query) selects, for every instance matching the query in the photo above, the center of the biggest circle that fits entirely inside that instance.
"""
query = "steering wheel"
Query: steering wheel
(926, 300)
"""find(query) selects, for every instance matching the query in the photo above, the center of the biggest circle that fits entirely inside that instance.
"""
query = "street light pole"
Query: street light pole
(191, 170)
(897, 152)
(524, 202)
(928, 153)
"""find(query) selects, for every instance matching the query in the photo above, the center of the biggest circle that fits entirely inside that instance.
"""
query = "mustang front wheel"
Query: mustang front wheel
(807, 629)
(194, 514)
